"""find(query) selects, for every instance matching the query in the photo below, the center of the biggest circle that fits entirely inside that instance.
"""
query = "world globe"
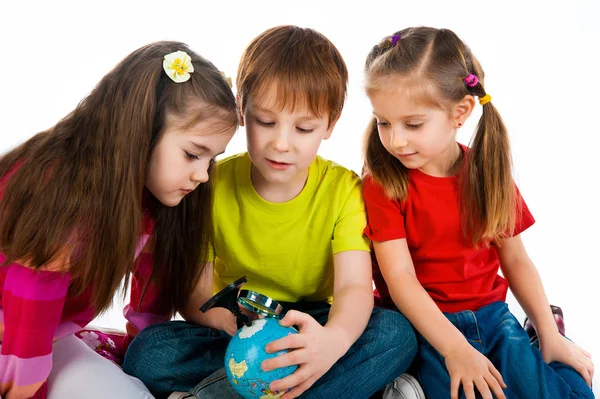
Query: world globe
(246, 352)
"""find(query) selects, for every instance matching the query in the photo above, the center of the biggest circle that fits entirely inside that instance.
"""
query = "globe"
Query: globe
(246, 352)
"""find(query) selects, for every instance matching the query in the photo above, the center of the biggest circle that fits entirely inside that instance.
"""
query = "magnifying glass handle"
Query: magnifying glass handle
(242, 320)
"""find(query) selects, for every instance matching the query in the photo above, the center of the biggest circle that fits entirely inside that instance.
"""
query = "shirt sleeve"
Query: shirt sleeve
(385, 220)
(524, 218)
(32, 306)
(348, 233)
(143, 312)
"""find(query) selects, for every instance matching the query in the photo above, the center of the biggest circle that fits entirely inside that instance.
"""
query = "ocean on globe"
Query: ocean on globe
(246, 352)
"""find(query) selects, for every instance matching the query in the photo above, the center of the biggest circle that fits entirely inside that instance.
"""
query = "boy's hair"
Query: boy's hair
(77, 187)
(432, 64)
(306, 68)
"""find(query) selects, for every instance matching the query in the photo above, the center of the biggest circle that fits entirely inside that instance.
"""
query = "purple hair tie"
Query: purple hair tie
(471, 80)
(395, 39)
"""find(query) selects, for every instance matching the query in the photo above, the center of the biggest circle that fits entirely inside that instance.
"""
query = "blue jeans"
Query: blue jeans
(497, 334)
(180, 356)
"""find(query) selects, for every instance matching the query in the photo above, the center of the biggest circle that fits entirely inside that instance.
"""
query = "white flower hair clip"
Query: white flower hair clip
(178, 66)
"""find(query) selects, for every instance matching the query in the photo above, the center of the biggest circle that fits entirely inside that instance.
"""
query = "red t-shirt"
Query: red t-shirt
(456, 275)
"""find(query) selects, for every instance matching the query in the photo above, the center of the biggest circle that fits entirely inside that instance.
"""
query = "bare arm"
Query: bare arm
(466, 366)
(352, 296)
(411, 298)
(526, 284)
(217, 318)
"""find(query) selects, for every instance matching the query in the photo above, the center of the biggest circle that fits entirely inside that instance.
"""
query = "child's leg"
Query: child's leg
(521, 364)
(431, 371)
(79, 372)
(175, 356)
(383, 352)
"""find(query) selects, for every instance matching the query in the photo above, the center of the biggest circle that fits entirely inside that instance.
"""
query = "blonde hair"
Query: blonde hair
(433, 63)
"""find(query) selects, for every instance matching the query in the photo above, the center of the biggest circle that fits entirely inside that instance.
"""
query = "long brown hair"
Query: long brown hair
(77, 187)
(435, 62)
(304, 65)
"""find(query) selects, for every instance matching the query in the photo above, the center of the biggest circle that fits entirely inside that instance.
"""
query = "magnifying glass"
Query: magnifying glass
(259, 303)
(230, 296)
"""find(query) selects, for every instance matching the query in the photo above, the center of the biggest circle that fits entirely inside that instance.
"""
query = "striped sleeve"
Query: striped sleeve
(32, 305)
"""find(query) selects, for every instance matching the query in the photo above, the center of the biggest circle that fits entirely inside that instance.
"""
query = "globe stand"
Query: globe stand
(230, 296)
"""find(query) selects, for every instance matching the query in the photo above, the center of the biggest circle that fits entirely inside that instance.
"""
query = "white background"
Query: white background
(540, 59)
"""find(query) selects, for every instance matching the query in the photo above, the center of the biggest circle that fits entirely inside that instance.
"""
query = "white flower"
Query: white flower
(91, 339)
(178, 66)
(110, 343)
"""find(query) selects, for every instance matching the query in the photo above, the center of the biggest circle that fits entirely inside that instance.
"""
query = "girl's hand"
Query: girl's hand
(556, 348)
(220, 319)
(469, 368)
(315, 351)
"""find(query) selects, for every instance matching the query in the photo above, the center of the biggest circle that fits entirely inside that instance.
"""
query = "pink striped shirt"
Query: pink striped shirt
(36, 309)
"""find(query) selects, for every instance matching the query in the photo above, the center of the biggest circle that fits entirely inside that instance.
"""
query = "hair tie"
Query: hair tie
(471, 80)
(485, 99)
(395, 39)
(178, 66)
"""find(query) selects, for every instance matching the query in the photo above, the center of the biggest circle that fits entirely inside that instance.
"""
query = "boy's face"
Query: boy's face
(283, 143)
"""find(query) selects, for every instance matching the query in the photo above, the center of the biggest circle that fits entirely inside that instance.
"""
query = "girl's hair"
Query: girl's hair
(303, 64)
(77, 187)
(433, 64)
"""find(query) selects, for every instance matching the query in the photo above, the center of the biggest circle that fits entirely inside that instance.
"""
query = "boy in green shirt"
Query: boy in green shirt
(293, 223)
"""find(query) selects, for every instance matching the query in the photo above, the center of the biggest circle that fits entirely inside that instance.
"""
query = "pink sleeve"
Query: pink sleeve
(143, 312)
(32, 306)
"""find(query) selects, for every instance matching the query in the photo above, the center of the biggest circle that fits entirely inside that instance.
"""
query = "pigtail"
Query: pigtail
(488, 198)
(384, 168)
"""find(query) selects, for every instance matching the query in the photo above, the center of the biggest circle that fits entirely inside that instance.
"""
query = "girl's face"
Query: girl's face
(421, 137)
(180, 160)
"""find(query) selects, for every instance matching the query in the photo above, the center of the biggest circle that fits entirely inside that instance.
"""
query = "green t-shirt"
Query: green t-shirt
(285, 249)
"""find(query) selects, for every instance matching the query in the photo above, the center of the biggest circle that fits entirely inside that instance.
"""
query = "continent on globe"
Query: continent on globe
(272, 395)
(245, 354)
(237, 369)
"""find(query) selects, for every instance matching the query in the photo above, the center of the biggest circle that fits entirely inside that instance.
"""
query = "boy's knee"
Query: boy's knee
(394, 331)
(148, 348)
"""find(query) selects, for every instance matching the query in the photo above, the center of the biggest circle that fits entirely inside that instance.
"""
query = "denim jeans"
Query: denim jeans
(497, 334)
(180, 356)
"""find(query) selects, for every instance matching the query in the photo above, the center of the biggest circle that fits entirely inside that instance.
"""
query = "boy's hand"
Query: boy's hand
(315, 351)
(556, 348)
(469, 368)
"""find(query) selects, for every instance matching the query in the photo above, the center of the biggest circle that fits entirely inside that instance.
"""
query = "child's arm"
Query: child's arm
(319, 347)
(353, 297)
(217, 318)
(466, 366)
(526, 285)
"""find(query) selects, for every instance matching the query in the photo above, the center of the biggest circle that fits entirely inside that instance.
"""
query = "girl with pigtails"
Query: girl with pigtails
(444, 218)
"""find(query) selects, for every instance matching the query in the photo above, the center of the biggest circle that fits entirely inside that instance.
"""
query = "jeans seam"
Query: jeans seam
(206, 383)
(478, 333)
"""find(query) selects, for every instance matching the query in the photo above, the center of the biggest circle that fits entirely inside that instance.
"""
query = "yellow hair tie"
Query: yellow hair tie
(485, 99)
